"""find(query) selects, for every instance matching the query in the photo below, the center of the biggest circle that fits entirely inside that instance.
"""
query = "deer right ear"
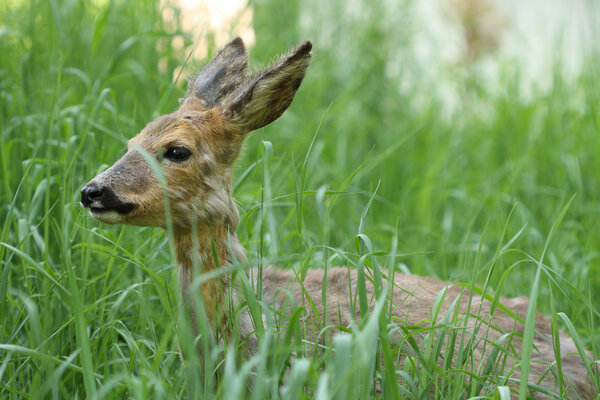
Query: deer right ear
(223, 74)
(268, 94)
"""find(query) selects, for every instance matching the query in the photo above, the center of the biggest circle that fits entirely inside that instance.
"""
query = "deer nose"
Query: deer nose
(90, 193)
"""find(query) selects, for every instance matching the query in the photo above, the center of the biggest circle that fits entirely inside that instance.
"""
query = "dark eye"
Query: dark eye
(177, 154)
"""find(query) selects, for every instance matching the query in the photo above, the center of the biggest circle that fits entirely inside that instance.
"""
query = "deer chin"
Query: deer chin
(107, 216)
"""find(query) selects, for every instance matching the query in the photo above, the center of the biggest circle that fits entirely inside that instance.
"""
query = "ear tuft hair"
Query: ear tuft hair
(264, 98)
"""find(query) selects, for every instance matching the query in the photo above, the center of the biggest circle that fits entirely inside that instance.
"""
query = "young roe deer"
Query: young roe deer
(195, 148)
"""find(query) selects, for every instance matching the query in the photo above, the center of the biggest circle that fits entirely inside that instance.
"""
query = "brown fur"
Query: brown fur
(412, 301)
(221, 107)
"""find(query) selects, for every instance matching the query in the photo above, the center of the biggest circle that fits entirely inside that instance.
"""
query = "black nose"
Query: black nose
(90, 193)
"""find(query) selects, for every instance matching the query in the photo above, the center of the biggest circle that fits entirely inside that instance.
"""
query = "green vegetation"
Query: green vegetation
(356, 167)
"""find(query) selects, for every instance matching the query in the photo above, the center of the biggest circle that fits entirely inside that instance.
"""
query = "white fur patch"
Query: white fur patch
(108, 217)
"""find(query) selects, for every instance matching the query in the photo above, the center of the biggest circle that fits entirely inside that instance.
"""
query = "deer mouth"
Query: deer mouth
(103, 210)
(113, 214)
(122, 208)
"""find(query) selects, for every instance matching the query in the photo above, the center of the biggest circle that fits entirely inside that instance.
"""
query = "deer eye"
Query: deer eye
(177, 154)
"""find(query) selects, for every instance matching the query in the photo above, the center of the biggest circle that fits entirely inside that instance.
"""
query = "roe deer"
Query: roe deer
(195, 148)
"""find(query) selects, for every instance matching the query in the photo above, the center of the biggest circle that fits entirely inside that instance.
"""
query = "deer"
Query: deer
(195, 148)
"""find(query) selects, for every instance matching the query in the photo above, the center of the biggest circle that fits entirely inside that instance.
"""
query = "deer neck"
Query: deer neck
(202, 251)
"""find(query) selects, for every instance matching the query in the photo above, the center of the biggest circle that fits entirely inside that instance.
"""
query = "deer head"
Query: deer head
(195, 147)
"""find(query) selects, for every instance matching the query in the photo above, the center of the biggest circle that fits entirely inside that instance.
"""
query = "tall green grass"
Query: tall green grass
(358, 172)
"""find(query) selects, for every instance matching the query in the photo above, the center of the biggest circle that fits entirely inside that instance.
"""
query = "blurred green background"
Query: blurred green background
(457, 164)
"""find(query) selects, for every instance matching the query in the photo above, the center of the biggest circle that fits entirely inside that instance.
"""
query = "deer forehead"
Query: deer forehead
(187, 128)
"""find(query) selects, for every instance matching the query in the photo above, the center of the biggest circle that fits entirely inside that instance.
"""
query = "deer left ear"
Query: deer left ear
(263, 98)
(223, 74)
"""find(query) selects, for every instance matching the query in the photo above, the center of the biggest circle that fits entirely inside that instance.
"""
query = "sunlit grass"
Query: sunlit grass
(356, 173)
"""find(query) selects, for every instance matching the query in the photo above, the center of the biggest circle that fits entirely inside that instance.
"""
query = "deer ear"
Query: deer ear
(225, 72)
(263, 98)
